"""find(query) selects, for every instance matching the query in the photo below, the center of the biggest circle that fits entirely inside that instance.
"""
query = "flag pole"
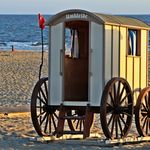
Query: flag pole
(42, 26)
(42, 57)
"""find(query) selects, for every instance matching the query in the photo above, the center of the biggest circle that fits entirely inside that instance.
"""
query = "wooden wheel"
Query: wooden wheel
(44, 117)
(77, 124)
(142, 112)
(116, 108)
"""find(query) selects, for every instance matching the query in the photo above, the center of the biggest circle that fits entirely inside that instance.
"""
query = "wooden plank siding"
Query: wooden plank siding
(123, 40)
(56, 80)
(108, 54)
(134, 68)
(143, 59)
(115, 51)
(129, 71)
(96, 62)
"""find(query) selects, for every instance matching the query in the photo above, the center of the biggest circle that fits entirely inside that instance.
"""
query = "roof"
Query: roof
(122, 20)
(100, 18)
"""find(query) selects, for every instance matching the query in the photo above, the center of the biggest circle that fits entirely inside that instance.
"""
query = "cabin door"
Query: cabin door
(96, 64)
(55, 64)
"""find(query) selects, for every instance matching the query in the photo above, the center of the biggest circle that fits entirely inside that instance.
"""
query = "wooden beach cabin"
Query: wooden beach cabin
(109, 57)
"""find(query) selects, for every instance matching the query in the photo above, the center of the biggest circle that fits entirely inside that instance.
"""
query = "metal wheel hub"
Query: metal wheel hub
(118, 110)
(48, 109)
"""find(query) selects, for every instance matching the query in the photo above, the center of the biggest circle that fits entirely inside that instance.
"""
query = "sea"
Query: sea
(23, 33)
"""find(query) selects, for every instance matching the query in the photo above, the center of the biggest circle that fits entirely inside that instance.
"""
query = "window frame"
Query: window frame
(138, 42)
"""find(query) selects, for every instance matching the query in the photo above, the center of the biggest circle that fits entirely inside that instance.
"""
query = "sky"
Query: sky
(55, 6)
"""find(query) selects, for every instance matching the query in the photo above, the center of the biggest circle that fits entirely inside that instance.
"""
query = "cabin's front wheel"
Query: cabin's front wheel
(44, 117)
(116, 110)
(142, 112)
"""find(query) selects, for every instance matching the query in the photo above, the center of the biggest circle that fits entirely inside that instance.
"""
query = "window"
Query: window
(71, 43)
(133, 42)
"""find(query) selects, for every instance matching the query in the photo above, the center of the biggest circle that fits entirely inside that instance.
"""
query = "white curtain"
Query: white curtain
(132, 42)
(75, 50)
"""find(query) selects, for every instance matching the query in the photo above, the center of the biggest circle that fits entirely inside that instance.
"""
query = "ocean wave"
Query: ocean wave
(3, 44)
(38, 44)
(22, 45)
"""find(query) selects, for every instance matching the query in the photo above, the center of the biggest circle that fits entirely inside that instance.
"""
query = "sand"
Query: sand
(18, 75)
(19, 72)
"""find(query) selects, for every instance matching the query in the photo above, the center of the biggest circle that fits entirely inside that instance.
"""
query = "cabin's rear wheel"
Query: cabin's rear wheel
(44, 117)
(142, 112)
(76, 124)
(116, 108)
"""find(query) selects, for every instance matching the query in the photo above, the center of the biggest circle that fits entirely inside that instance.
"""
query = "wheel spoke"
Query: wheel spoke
(45, 129)
(146, 101)
(80, 125)
(54, 122)
(126, 112)
(147, 126)
(123, 120)
(50, 123)
(124, 98)
(43, 119)
(144, 107)
(41, 100)
(111, 97)
(110, 119)
(41, 114)
(118, 91)
(115, 96)
(55, 115)
(144, 122)
(149, 99)
(46, 90)
(112, 127)
(120, 126)
(116, 126)
(43, 94)
(77, 124)
(121, 93)
(109, 109)
(143, 117)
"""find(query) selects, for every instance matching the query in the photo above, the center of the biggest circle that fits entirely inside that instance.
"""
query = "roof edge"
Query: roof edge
(81, 15)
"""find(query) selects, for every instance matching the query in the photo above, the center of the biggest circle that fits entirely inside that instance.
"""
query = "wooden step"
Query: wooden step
(72, 117)
(70, 132)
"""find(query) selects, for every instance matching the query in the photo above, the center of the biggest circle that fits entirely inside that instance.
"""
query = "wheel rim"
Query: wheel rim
(116, 108)
(44, 117)
(142, 112)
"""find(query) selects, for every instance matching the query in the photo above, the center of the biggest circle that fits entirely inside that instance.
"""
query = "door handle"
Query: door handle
(61, 62)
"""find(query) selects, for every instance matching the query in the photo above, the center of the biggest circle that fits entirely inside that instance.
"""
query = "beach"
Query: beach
(19, 71)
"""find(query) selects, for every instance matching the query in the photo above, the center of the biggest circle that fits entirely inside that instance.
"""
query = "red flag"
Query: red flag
(41, 21)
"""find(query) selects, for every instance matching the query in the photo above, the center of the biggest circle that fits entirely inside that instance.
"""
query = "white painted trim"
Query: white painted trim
(75, 103)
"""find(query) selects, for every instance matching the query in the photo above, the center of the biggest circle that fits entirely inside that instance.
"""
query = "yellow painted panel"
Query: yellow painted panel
(130, 71)
(143, 58)
(136, 72)
(115, 52)
(123, 40)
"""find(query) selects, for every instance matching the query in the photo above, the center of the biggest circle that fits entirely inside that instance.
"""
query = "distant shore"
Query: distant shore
(19, 72)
